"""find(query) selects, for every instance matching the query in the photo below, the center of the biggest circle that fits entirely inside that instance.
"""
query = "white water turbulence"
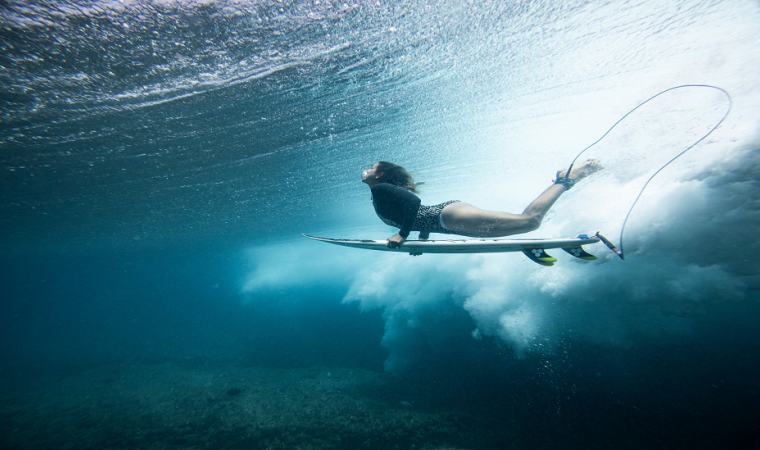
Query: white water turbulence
(511, 103)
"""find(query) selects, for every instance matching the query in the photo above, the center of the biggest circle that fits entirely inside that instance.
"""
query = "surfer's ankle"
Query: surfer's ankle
(564, 181)
(577, 172)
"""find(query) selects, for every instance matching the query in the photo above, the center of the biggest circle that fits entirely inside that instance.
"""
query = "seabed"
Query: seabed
(168, 406)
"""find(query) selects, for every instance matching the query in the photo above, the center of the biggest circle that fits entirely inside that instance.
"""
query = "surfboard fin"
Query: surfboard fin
(538, 255)
(578, 252)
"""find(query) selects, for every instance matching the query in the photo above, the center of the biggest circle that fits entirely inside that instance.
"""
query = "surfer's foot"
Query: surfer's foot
(578, 172)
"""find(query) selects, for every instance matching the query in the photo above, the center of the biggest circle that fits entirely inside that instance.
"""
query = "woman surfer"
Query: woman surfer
(395, 203)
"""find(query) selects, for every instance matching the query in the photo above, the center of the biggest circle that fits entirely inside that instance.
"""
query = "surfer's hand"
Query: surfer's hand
(395, 241)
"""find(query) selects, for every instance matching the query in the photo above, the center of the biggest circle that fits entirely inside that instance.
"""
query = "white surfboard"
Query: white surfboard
(532, 248)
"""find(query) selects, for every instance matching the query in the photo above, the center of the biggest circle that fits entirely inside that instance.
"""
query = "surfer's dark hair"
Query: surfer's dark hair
(395, 174)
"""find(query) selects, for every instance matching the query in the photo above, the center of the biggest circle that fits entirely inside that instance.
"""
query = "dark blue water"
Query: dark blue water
(160, 160)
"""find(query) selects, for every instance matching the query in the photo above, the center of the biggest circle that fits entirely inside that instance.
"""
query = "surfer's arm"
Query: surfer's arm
(410, 204)
(424, 235)
(398, 204)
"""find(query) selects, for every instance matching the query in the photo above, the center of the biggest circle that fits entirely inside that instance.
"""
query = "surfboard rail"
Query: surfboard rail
(535, 249)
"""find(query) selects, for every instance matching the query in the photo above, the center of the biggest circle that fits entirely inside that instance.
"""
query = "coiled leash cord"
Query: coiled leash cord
(565, 180)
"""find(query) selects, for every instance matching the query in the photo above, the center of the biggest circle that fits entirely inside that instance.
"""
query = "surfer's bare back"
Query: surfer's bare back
(393, 197)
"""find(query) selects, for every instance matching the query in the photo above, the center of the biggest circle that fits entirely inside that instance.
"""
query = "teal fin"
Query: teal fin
(578, 252)
(539, 256)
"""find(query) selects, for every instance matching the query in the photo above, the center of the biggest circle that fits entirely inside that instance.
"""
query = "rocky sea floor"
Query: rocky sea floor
(168, 406)
(178, 406)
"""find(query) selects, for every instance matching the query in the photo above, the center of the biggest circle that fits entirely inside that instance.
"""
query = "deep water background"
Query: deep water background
(160, 160)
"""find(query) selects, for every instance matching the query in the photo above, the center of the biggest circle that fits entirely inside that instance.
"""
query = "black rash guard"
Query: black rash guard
(396, 206)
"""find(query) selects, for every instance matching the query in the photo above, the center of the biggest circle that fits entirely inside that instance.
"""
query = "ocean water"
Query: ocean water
(160, 160)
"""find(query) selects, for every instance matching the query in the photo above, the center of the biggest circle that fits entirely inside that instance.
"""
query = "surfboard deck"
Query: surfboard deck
(532, 248)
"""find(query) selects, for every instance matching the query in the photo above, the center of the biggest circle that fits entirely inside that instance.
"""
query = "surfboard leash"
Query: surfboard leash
(621, 252)
(610, 245)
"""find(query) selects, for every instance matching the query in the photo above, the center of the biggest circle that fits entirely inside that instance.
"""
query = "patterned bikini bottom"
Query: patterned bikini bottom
(429, 219)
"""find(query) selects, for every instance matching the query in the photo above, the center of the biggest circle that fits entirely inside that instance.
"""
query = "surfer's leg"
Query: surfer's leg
(465, 219)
